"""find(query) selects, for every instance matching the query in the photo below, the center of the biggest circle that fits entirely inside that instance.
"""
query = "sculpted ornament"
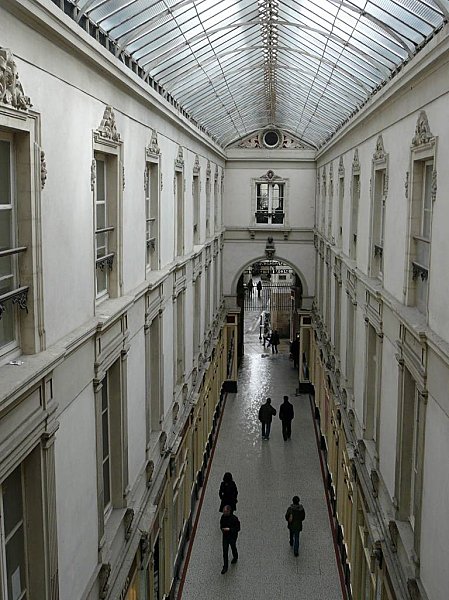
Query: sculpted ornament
(422, 131)
(356, 163)
(196, 166)
(108, 128)
(43, 170)
(11, 90)
(341, 168)
(179, 162)
(379, 154)
(153, 146)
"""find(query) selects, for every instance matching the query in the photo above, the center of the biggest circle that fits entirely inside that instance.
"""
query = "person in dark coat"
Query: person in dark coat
(259, 288)
(294, 351)
(266, 413)
(228, 492)
(294, 516)
(274, 341)
(249, 287)
(230, 527)
(286, 414)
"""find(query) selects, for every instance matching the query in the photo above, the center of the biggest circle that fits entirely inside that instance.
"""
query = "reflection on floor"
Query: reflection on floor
(268, 474)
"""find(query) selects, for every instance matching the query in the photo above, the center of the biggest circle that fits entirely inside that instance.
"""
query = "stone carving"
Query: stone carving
(208, 171)
(128, 522)
(196, 166)
(374, 476)
(269, 248)
(43, 170)
(413, 589)
(406, 183)
(423, 135)
(153, 147)
(256, 141)
(356, 163)
(93, 174)
(144, 545)
(175, 412)
(394, 535)
(185, 392)
(351, 418)
(341, 167)
(108, 128)
(361, 448)
(103, 578)
(149, 469)
(179, 161)
(379, 153)
(162, 442)
(216, 173)
(433, 190)
(123, 176)
(11, 90)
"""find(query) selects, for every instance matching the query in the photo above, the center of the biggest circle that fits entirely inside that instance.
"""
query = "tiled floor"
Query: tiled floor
(268, 474)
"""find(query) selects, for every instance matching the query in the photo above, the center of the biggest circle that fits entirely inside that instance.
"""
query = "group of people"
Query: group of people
(250, 286)
(230, 523)
(272, 339)
(286, 415)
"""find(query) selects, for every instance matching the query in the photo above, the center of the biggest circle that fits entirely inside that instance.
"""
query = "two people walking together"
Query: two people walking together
(286, 415)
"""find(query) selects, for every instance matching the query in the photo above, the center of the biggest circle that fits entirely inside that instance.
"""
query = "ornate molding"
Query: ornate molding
(270, 176)
(162, 442)
(394, 535)
(356, 163)
(105, 261)
(123, 176)
(179, 161)
(103, 579)
(93, 174)
(153, 150)
(423, 135)
(149, 469)
(419, 270)
(18, 296)
(341, 168)
(208, 170)
(216, 174)
(374, 476)
(269, 248)
(108, 128)
(196, 166)
(175, 412)
(286, 140)
(11, 90)
(406, 183)
(43, 170)
(128, 522)
(434, 187)
(379, 153)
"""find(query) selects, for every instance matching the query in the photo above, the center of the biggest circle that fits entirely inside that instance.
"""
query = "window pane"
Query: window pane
(7, 320)
(101, 244)
(427, 201)
(106, 483)
(6, 267)
(5, 228)
(12, 500)
(104, 394)
(100, 180)
(101, 281)
(101, 216)
(15, 565)
(5, 172)
(105, 430)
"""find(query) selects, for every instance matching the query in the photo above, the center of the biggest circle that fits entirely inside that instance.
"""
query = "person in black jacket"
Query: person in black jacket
(228, 492)
(286, 414)
(294, 516)
(275, 340)
(266, 413)
(230, 527)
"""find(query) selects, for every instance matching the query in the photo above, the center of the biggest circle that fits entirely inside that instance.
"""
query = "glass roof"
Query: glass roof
(237, 66)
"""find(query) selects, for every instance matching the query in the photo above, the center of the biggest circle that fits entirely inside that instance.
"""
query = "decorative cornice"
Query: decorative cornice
(423, 135)
(270, 176)
(108, 128)
(11, 90)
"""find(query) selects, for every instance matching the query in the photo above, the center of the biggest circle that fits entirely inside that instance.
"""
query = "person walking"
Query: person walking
(228, 492)
(230, 527)
(294, 516)
(250, 286)
(274, 341)
(286, 415)
(266, 413)
(259, 288)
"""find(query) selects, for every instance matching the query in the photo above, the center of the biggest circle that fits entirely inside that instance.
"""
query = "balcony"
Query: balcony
(263, 217)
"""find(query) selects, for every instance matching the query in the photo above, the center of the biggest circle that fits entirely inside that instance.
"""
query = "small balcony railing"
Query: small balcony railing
(270, 218)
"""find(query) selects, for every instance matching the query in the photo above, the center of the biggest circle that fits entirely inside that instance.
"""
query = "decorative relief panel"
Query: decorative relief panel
(379, 153)
(356, 163)
(423, 135)
(341, 167)
(153, 150)
(179, 161)
(11, 90)
(285, 140)
(43, 170)
(108, 128)
(208, 170)
(196, 166)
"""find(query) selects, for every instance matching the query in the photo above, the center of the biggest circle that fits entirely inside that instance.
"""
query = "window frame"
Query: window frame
(379, 195)
(271, 179)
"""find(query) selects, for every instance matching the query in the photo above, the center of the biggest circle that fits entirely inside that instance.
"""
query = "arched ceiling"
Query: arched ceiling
(237, 66)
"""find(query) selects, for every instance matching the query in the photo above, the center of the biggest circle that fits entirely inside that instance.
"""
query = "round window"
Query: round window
(271, 138)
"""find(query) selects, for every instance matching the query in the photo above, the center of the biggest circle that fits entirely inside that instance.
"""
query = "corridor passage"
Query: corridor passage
(268, 474)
